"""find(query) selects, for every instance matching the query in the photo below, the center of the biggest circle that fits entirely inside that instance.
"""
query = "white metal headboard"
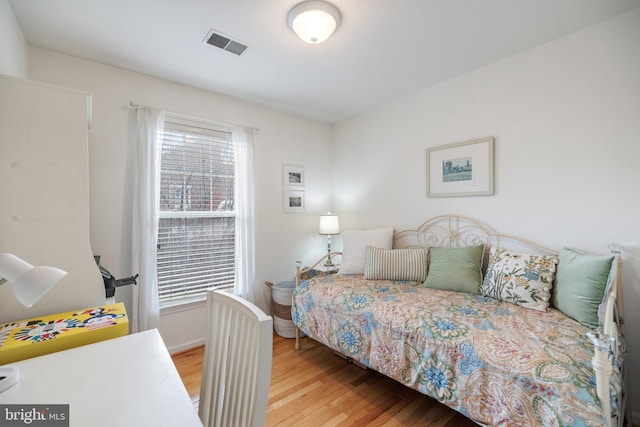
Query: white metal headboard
(457, 231)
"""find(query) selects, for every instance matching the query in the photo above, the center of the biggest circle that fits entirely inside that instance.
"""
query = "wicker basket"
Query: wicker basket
(281, 293)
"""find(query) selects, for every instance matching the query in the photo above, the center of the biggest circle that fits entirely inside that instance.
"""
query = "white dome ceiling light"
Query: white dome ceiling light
(314, 20)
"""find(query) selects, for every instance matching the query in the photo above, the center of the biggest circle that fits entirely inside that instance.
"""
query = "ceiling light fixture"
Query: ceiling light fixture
(314, 20)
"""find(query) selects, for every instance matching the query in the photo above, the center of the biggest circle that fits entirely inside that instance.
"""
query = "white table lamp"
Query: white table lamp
(329, 225)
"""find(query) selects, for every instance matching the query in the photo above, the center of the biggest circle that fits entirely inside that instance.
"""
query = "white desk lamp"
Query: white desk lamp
(29, 285)
(329, 225)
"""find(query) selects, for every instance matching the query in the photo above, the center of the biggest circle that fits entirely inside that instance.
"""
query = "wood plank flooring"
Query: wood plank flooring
(313, 387)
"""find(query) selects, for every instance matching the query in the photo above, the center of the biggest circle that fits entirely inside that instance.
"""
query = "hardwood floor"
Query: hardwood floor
(313, 387)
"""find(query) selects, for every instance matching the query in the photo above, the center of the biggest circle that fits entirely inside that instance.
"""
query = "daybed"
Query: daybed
(503, 348)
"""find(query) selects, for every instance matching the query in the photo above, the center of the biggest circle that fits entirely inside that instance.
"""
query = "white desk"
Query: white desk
(126, 381)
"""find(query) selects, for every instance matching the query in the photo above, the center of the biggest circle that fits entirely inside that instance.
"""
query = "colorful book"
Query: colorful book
(46, 334)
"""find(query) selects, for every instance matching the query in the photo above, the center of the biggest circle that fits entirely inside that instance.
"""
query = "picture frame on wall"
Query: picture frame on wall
(293, 201)
(461, 169)
(293, 176)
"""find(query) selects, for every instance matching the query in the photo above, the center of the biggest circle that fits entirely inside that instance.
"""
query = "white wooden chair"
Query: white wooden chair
(236, 370)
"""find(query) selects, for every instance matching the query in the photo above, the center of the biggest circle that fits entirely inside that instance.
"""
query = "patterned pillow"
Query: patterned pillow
(396, 264)
(524, 280)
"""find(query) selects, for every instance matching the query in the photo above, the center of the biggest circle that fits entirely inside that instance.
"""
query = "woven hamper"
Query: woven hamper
(281, 293)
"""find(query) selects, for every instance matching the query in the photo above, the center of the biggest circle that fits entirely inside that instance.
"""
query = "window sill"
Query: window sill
(188, 305)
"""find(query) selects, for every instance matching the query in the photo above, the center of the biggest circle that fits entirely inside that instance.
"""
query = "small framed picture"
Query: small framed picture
(461, 169)
(293, 201)
(293, 176)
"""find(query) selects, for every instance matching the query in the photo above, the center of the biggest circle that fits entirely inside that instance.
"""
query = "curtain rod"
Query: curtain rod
(135, 106)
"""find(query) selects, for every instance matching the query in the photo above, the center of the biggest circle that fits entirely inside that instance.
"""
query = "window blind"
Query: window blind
(196, 237)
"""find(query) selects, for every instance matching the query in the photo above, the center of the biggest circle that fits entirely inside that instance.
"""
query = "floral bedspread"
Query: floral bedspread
(494, 362)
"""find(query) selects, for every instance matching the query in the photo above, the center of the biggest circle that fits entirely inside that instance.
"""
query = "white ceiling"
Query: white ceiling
(384, 49)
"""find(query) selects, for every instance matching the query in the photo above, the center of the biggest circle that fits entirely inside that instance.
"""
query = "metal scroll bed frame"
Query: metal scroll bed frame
(458, 231)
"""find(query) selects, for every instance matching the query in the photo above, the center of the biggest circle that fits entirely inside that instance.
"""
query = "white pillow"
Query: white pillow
(354, 247)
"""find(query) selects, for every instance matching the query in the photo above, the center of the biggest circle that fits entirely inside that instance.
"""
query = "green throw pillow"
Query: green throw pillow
(455, 269)
(580, 286)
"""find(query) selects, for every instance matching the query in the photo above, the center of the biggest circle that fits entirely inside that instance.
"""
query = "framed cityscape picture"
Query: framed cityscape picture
(461, 169)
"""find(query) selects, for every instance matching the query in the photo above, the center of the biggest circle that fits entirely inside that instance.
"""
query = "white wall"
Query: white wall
(282, 138)
(13, 47)
(566, 118)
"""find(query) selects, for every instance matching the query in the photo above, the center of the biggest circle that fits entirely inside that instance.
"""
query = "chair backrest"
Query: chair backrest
(236, 370)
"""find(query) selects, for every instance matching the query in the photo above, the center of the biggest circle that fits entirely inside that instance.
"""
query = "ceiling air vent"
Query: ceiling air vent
(225, 43)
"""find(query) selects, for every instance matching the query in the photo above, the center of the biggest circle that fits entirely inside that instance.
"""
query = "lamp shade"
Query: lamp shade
(329, 224)
(29, 283)
(314, 21)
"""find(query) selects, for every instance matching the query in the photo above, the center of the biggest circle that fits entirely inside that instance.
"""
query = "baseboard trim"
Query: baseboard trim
(186, 346)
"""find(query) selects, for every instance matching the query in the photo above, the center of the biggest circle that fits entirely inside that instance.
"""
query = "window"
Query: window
(196, 237)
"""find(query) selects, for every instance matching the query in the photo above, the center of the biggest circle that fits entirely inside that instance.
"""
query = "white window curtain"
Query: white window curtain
(146, 308)
(245, 247)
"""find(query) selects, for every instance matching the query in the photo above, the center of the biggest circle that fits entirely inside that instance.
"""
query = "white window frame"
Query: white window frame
(196, 126)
